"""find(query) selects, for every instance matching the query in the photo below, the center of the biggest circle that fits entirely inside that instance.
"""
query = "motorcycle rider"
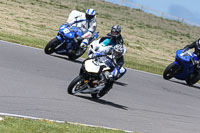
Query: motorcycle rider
(196, 46)
(114, 35)
(118, 58)
(115, 39)
(88, 26)
(116, 54)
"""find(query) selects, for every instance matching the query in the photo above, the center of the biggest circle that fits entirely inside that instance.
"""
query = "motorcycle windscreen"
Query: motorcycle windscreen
(91, 67)
(75, 14)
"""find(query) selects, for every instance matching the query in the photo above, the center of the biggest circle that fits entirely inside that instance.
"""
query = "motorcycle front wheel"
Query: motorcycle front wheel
(74, 86)
(50, 47)
(170, 71)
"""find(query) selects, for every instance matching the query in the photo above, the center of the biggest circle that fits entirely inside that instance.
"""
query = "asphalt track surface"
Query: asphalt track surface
(35, 84)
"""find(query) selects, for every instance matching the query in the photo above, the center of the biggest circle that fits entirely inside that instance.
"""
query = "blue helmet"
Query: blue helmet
(90, 14)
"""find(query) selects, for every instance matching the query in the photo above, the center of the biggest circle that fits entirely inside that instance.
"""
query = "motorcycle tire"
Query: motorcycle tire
(73, 85)
(170, 71)
(193, 79)
(74, 56)
(189, 82)
(50, 47)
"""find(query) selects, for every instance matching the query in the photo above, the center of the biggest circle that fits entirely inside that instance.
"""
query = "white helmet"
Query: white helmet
(90, 14)
(118, 51)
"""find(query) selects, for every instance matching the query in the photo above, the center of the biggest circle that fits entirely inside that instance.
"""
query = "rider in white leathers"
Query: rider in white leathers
(88, 25)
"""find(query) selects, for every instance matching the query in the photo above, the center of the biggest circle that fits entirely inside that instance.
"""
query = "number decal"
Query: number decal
(66, 30)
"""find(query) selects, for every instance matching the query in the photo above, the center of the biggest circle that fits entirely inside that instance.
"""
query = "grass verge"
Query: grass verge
(23, 125)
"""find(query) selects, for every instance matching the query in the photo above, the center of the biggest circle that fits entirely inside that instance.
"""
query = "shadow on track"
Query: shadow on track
(197, 87)
(104, 102)
(65, 58)
(120, 83)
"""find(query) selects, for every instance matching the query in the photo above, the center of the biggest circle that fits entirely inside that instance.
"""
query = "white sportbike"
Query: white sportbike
(93, 77)
(102, 46)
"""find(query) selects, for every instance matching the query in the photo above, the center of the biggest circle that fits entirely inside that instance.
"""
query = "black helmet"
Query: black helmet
(90, 14)
(116, 31)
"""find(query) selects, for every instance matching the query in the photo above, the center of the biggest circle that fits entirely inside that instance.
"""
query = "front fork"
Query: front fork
(59, 38)
(179, 67)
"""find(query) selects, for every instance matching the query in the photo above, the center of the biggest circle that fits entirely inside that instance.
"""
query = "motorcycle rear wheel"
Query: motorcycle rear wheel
(170, 71)
(73, 87)
(193, 79)
(74, 56)
(50, 47)
(189, 82)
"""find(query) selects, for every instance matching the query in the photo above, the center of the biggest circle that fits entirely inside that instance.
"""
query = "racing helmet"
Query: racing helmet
(116, 31)
(90, 14)
(118, 51)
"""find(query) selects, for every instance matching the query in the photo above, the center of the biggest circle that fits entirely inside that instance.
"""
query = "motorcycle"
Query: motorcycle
(104, 46)
(93, 77)
(66, 43)
(182, 68)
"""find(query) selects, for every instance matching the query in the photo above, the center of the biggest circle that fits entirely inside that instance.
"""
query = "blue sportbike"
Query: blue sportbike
(66, 43)
(182, 68)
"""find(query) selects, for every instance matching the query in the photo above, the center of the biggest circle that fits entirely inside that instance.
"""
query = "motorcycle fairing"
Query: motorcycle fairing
(184, 63)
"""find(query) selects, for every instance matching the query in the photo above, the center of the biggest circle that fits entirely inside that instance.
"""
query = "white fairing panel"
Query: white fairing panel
(91, 67)
(99, 47)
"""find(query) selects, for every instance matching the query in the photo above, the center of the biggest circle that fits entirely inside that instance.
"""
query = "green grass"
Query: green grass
(22, 125)
(24, 40)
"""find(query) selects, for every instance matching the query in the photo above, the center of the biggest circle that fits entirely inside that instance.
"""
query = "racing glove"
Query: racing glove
(115, 71)
(83, 45)
(185, 49)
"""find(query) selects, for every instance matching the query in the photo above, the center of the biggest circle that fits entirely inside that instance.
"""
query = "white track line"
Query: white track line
(36, 118)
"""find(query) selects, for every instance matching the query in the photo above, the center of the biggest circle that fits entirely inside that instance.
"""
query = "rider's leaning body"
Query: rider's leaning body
(115, 40)
(88, 26)
(196, 46)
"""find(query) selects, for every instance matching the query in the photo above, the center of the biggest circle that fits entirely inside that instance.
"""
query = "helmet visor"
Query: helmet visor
(116, 54)
(114, 33)
(89, 17)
